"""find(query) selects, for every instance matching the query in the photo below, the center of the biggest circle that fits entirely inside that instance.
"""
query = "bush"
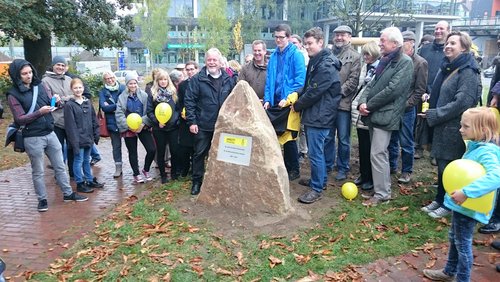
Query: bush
(94, 82)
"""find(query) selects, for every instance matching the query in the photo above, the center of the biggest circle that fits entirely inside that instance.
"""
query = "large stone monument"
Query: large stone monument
(245, 170)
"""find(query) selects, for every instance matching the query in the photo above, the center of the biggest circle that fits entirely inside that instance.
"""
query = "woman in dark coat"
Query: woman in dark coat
(108, 96)
(456, 88)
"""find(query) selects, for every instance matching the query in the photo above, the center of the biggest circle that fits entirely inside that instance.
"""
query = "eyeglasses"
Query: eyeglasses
(190, 69)
(279, 37)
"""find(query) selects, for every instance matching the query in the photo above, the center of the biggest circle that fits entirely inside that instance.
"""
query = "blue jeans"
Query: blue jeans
(460, 258)
(316, 140)
(94, 153)
(405, 137)
(82, 162)
(342, 128)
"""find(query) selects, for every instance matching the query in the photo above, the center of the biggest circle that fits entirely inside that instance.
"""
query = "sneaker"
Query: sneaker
(95, 184)
(42, 205)
(341, 176)
(147, 175)
(367, 194)
(393, 171)
(164, 180)
(309, 197)
(83, 187)
(75, 197)
(418, 154)
(94, 161)
(439, 213)
(430, 207)
(438, 275)
(138, 179)
(292, 175)
(434, 162)
(405, 178)
(374, 202)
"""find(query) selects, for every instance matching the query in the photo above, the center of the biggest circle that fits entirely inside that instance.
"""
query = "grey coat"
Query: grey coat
(458, 93)
(385, 96)
(349, 75)
(121, 109)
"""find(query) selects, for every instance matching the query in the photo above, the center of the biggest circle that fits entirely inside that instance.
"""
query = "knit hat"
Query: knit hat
(58, 60)
(131, 76)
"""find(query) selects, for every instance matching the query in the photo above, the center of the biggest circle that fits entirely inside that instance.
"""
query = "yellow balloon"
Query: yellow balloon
(134, 121)
(460, 173)
(349, 190)
(163, 112)
(497, 114)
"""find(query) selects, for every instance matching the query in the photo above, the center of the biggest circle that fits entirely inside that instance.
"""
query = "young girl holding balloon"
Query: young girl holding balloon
(134, 124)
(480, 127)
(162, 112)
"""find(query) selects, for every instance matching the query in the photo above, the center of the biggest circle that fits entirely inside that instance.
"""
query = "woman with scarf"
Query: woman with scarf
(164, 91)
(134, 100)
(456, 88)
(108, 96)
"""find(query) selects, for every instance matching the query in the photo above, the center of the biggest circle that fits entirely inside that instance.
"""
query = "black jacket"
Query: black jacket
(321, 96)
(203, 101)
(173, 122)
(21, 98)
(82, 128)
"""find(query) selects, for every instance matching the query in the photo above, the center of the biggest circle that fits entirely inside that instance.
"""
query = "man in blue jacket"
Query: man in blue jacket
(286, 73)
(319, 102)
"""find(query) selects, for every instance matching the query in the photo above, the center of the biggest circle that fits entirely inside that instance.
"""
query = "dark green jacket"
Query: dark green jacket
(385, 96)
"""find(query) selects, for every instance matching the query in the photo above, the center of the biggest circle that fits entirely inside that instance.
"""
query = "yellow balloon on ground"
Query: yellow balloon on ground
(349, 190)
(163, 112)
(462, 172)
(134, 121)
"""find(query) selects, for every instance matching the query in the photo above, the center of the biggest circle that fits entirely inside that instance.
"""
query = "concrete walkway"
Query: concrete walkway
(30, 241)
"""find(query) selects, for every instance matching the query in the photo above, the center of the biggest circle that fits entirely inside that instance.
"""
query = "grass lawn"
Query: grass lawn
(152, 240)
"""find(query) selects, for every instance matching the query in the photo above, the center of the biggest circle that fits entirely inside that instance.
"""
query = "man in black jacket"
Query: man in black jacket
(318, 102)
(38, 132)
(205, 95)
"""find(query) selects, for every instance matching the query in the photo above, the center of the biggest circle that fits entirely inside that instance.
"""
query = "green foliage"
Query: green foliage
(5, 83)
(215, 25)
(94, 82)
(153, 21)
(249, 13)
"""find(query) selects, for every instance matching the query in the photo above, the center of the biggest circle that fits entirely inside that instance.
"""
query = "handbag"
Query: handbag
(15, 132)
(103, 125)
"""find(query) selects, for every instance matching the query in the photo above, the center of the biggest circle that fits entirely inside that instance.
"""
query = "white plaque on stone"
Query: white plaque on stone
(236, 149)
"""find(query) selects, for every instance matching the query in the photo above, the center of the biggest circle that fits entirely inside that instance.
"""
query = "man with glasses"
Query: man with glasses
(286, 73)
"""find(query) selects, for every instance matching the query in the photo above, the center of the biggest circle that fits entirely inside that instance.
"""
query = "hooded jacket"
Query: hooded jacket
(20, 99)
(294, 73)
(322, 93)
(82, 128)
(58, 84)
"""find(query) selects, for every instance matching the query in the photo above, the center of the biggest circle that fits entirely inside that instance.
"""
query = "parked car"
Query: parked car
(489, 72)
(120, 76)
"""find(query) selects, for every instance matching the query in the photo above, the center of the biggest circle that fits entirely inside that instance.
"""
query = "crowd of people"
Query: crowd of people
(319, 92)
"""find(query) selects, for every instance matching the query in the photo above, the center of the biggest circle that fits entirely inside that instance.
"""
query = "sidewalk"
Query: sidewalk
(30, 241)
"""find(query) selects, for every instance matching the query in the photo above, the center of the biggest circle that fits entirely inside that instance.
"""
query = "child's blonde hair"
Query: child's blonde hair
(484, 124)
(161, 74)
(74, 81)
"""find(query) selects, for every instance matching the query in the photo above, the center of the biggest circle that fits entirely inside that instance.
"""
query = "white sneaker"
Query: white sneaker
(138, 179)
(439, 213)
(430, 207)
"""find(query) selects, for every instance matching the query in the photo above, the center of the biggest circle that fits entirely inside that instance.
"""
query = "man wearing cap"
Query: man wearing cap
(57, 83)
(382, 106)
(349, 79)
(405, 134)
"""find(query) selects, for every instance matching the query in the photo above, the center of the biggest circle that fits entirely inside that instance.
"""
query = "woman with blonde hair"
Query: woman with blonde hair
(164, 91)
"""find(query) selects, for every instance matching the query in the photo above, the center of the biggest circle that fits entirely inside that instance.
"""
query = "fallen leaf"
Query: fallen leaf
(314, 238)
(198, 269)
(430, 263)
(239, 256)
(342, 216)
(167, 277)
(223, 271)
(264, 245)
(301, 259)
(274, 261)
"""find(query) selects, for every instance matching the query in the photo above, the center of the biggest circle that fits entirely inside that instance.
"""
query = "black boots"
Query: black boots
(82, 187)
(195, 189)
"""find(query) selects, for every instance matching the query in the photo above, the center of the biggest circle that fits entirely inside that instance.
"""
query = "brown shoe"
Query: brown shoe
(438, 275)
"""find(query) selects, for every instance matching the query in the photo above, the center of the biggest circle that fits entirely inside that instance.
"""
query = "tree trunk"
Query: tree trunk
(38, 53)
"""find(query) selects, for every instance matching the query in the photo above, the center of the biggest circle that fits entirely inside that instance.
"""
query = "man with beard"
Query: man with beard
(349, 79)
(205, 95)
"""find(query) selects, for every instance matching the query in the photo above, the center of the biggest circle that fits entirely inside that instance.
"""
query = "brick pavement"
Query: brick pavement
(30, 240)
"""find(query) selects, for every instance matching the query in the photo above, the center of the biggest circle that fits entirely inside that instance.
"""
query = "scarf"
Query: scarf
(164, 95)
(114, 87)
(445, 70)
(385, 60)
